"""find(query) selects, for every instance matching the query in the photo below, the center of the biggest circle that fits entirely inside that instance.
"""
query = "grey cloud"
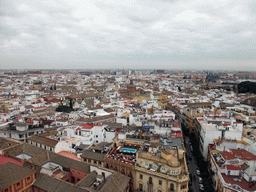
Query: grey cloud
(48, 31)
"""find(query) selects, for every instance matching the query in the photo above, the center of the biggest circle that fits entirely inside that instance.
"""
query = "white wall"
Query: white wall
(109, 136)
(64, 146)
(99, 171)
(208, 138)
(121, 120)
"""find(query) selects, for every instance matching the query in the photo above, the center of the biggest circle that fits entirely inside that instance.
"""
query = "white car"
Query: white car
(200, 180)
(198, 172)
(201, 187)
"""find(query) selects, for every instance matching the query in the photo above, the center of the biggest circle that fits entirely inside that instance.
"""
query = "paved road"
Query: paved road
(192, 166)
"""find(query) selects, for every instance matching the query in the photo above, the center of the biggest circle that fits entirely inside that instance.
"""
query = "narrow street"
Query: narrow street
(192, 166)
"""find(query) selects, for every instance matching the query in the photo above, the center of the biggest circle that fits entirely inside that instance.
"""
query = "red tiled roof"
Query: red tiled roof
(86, 126)
(248, 186)
(245, 155)
(225, 124)
(40, 107)
(4, 159)
(227, 155)
(167, 117)
(69, 155)
(176, 124)
(233, 167)
(238, 154)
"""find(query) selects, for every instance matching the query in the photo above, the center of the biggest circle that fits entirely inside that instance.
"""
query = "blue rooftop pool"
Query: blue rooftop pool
(127, 150)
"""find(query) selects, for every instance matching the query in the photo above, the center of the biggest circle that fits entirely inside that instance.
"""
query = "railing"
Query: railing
(174, 178)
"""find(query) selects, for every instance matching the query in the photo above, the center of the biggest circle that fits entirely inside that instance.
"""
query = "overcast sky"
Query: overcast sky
(156, 34)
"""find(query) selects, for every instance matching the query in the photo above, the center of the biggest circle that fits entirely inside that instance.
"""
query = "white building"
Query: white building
(211, 130)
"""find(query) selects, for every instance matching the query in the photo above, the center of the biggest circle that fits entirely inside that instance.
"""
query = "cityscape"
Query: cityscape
(128, 96)
(127, 130)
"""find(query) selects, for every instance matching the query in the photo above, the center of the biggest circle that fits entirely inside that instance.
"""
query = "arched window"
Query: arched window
(171, 187)
(150, 180)
(140, 187)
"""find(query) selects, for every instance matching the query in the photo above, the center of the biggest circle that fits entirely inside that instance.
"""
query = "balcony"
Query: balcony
(159, 174)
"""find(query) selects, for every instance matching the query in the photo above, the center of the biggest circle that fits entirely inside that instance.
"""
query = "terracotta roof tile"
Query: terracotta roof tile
(248, 186)
(4, 159)
(43, 140)
(116, 183)
(11, 173)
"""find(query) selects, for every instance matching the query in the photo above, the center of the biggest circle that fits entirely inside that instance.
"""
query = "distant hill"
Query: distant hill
(247, 86)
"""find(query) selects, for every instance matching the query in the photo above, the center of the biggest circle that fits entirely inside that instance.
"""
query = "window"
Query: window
(6, 190)
(141, 176)
(171, 187)
(228, 172)
(28, 178)
(163, 168)
(183, 186)
(140, 187)
(96, 136)
(155, 166)
(146, 164)
(160, 182)
(122, 171)
(159, 191)
(18, 184)
(173, 172)
(150, 180)
(178, 171)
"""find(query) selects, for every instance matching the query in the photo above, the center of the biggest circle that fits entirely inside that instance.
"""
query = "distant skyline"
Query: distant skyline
(112, 34)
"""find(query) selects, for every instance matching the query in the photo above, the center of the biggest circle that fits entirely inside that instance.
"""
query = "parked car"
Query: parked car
(198, 172)
(201, 187)
(200, 180)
